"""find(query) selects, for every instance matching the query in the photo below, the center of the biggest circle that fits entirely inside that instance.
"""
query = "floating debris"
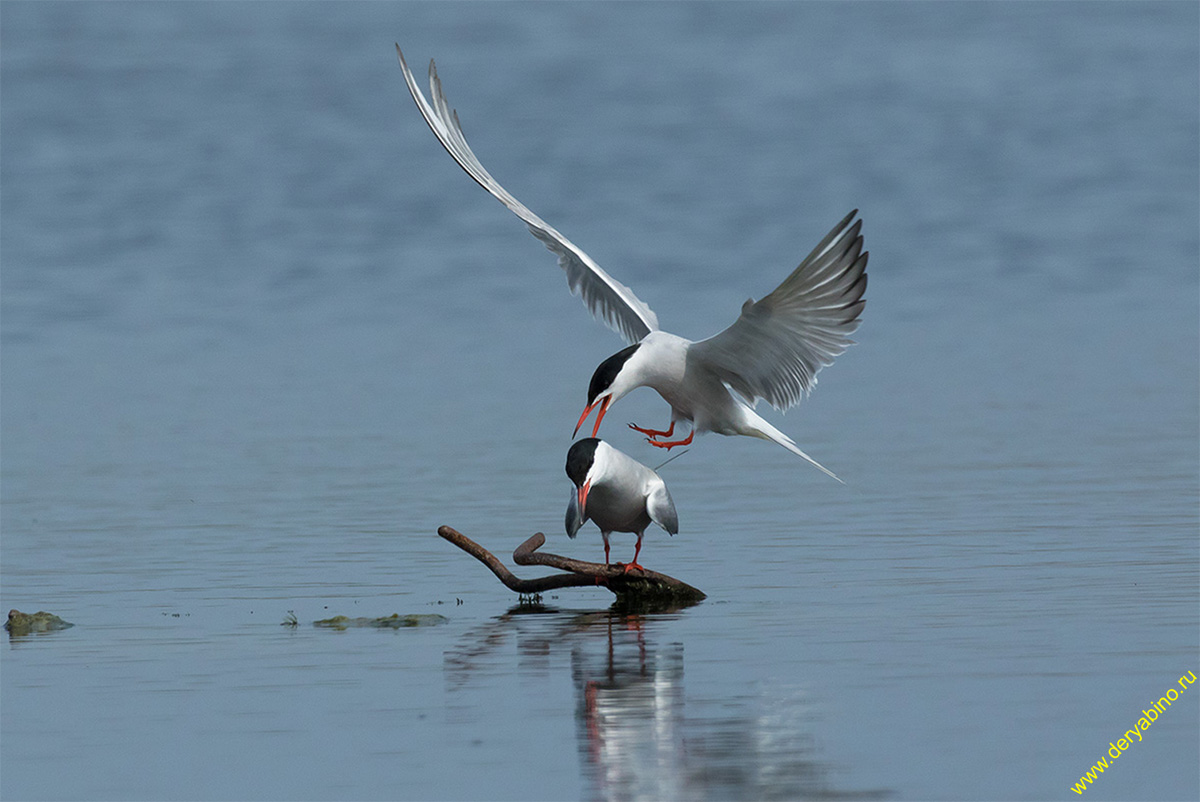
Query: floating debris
(393, 621)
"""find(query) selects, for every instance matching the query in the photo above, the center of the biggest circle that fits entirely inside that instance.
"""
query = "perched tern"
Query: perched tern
(773, 351)
(617, 493)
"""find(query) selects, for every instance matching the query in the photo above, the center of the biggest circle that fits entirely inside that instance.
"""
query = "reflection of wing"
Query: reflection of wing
(662, 509)
(608, 300)
(574, 518)
(776, 347)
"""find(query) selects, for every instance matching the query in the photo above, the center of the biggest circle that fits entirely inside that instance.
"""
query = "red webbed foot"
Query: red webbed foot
(654, 433)
(669, 445)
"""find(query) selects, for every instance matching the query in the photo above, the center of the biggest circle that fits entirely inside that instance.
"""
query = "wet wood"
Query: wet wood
(637, 583)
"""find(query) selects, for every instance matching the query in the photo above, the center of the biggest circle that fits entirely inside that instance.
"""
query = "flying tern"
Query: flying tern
(773, 351)
(617, 493)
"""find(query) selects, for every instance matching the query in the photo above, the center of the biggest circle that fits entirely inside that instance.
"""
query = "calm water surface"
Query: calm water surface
(261, 338)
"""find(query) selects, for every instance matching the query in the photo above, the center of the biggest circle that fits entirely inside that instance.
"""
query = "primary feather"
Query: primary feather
(607, 299)
(775, 349)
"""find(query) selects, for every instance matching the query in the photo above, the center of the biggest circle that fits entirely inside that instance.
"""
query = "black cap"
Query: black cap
(603, 378)
(580, 458)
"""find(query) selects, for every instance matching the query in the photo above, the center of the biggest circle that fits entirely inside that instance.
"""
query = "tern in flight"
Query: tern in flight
(773, 351)
(617, 493)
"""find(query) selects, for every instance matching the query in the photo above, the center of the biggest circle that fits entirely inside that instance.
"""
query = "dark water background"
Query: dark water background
(261, 337)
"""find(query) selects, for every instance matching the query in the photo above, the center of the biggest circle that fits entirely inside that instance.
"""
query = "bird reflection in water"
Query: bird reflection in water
(630, 714)
(641, 736)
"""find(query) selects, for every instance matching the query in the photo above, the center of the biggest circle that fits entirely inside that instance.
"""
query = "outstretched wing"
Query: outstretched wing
(776, 347)
(608, 300)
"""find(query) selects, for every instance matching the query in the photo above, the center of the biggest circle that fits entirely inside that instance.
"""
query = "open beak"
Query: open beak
(599, 415)
(583, 494)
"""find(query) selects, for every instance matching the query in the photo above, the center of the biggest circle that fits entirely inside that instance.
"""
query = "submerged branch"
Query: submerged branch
(634, 584)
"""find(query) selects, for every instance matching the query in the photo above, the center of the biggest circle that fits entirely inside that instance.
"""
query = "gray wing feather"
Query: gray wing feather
(775, 349)
(607, 299)
(574, 520)
(662, 509)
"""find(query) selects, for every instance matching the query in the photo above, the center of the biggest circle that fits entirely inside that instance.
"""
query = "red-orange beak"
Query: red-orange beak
(599, 415)
(583, 494)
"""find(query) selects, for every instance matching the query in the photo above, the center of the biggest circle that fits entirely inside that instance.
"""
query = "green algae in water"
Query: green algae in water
(393, 621)
(20, 623)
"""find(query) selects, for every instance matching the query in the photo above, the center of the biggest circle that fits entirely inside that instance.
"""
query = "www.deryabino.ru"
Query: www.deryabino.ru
(1149, 716)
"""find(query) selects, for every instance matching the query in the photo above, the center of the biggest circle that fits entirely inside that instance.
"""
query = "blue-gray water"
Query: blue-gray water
(261, 337)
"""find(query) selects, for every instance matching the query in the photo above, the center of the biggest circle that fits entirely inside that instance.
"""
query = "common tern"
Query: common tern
(617, 493)
(773, 351)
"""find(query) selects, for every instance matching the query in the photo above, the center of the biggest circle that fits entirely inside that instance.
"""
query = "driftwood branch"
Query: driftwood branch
(633, 584)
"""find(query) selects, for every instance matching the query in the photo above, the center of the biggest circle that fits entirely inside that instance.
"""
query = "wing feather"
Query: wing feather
(574, 518)
(775, 349)
(662, 509)
(607, 299)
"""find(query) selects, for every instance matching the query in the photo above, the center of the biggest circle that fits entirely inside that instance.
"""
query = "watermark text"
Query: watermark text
(1118, 747)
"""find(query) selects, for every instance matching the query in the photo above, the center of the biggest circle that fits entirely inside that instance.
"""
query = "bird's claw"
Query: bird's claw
(654, 434)
(671, 444)
(650, 433)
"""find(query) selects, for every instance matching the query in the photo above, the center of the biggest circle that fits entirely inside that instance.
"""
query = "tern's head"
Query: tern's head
(581, 459)
(603, 388)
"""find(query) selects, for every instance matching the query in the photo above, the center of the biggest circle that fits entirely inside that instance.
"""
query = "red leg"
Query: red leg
(671, 445)
(636, 552)
(654, 432)
(606, 551)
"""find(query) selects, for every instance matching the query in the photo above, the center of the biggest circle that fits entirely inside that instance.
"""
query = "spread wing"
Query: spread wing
(776, 347)
(608, 300)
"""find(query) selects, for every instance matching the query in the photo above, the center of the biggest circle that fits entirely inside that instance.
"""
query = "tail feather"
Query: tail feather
(768, 432)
